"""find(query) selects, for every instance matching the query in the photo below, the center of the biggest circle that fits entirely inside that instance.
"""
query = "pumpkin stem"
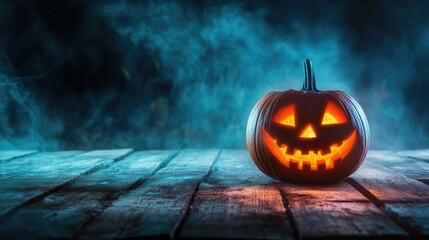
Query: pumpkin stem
(310, 79)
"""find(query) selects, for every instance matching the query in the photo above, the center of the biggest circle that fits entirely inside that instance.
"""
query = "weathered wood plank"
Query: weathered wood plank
(37, 162)
(35, 175)
(415, 216)
(400, 196)
(14, 174)
(9, 155)
(237, 201)
(64, 212)
(337, 210)
(410, 167)
(61, 195)
(156, 207)
(343, 219)
(387, 185)
(421, 154)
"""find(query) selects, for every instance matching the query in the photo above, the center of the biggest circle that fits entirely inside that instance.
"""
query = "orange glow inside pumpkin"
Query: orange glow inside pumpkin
(286, 116)
(312, 158)
(308, 132)
(333, 115)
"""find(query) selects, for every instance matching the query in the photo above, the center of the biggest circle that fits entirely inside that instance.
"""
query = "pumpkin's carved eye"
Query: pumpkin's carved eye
(286, 116)
(333, 115)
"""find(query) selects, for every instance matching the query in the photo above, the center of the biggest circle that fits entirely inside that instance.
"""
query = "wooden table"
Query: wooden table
(205, 193)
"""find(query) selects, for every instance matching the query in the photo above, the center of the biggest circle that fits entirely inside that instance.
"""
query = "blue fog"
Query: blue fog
(217, 59)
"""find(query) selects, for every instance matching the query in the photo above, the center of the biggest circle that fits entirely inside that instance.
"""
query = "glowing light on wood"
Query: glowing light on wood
(313, 158)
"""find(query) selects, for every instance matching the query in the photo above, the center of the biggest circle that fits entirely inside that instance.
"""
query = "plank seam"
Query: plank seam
(423, 180)
(110, 198)
(190, 201)
(418, 159)
(414, 233)
(17, 157)
(289, 213)
(43, 195)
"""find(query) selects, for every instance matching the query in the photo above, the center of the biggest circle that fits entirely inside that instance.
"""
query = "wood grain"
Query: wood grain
(387, 185)
(237, 201)
(109, 194)
(415, 216)
(337, 210)
(420, 154)
(64, 212)
(12, 154)
(156, 207)
(403, 198)
(402, 163)
(35, 175)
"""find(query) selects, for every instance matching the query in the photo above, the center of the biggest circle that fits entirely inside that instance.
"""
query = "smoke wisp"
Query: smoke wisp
(167, 74)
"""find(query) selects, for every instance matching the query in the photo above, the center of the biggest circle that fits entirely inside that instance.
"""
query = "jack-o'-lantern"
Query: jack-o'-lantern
(307, 136)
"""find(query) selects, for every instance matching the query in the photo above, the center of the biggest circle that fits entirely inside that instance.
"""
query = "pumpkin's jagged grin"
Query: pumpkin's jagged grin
(312, 160)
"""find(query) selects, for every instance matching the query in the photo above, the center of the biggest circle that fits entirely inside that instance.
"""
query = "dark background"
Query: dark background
(167, 74)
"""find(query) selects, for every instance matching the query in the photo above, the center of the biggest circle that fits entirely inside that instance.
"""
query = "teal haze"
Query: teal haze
(169, 74)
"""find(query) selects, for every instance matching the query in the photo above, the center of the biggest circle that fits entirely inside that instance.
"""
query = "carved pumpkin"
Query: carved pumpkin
(307, 136)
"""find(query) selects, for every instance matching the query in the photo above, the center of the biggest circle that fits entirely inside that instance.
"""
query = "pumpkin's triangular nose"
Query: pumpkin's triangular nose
(308, 132)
